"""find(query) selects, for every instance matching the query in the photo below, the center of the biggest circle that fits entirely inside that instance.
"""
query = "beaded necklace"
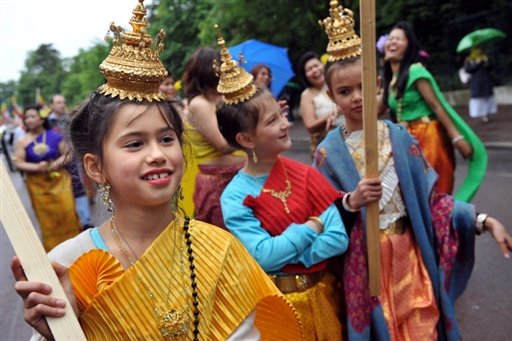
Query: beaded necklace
(399, 109)
(282, 195)
(173, 324)
(400, 102)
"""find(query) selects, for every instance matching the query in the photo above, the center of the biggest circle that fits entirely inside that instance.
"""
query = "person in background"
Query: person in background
(59, 121)
(11, 129)
(215, 158)
(148, 272)
(262, 76)
(318, 112)
(426, 238)
(168, 88)
(482, 103)
(41, 154)
(413, 95)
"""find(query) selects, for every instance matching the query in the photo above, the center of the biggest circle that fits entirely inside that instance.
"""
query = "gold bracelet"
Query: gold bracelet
(318, 221)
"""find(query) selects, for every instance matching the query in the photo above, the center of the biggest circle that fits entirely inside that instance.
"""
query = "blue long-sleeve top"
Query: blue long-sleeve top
(297, 244)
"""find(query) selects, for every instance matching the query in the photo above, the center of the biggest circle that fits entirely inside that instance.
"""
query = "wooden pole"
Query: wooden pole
(32, 255)
(369, 62)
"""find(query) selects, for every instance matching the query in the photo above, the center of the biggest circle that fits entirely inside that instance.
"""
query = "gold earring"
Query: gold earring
(180, 193)
(254, 156)
(104, 190)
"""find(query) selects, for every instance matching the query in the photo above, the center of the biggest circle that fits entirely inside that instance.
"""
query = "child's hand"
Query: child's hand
(37, 301)
(283, 106)
(367, 191)
(500, 235)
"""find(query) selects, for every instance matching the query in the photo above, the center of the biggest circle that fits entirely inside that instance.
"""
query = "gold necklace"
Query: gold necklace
(282, 195)
(173, 324)
(41, 149)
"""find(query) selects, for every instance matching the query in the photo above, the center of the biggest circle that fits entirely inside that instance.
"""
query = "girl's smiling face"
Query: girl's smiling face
(271, 134)
(142, 154)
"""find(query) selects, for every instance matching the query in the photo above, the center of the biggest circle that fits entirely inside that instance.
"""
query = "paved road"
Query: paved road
(483, 310)
(12, 325)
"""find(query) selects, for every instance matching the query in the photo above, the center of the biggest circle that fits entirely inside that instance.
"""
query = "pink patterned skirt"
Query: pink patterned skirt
(210, 183)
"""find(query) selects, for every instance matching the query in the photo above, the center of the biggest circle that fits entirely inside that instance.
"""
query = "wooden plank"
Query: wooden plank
(32, 255)
(369, 62)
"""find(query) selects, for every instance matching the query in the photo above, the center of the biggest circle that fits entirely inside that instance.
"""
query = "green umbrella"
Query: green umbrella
(478, 37)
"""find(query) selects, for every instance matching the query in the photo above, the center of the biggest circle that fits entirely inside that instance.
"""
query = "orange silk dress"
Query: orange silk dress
(407, 295)
(115, 304)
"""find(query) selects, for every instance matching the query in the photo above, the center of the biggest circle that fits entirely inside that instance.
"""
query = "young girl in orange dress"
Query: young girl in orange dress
(149, 273)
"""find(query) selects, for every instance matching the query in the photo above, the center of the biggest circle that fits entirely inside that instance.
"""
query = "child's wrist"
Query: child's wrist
(346, 203)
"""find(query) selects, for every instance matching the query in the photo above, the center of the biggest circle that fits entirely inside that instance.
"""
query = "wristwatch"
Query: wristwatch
(480, 222)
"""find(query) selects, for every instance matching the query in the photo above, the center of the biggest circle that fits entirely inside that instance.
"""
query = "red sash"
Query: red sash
(311, 194)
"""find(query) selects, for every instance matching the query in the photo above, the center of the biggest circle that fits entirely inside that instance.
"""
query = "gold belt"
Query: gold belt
(296, 283)
(396, 227)
(422, 119)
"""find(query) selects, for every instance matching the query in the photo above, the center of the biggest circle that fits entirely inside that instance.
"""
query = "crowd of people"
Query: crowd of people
(214, 234)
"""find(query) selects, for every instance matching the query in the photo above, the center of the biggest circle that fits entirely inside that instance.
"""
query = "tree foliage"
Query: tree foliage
(43, 70)
(439, 25)
(290, 23)
(181, 20)
(7, 90)
(84, 75)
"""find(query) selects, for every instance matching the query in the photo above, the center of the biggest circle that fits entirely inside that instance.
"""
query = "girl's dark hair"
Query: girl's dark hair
(410, 57)
(46, 124)
(255, 70)
(301, 67)
(241, 117)
(332, 67)
(92, 120)
(199, 75)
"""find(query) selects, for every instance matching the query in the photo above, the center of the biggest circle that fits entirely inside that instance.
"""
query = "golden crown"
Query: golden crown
(133, 68)
(235, 84)
(343, 41)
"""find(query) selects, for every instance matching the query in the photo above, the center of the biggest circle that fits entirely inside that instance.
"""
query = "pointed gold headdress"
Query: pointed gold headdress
(133, 68)
(344, 43)
(235, 84)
